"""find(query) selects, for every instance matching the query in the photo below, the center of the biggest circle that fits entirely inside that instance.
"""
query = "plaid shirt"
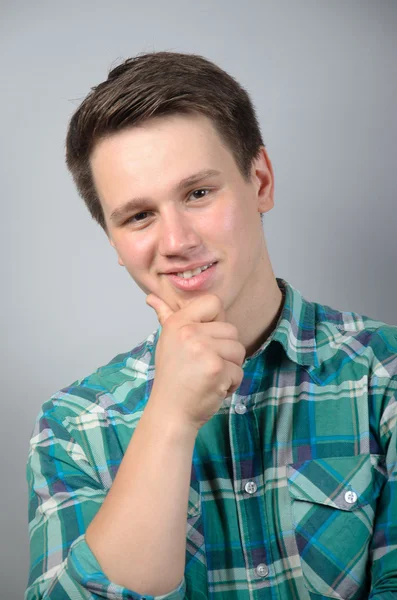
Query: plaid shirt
(293, 491)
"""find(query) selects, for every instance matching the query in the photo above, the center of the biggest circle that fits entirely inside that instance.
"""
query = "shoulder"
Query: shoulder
(353, 337)
(119, 386)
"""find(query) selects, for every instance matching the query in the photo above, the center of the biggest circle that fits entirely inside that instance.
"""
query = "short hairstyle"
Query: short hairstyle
(160, 84)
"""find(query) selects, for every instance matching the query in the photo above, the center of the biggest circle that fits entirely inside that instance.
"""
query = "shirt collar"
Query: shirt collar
(295, 329)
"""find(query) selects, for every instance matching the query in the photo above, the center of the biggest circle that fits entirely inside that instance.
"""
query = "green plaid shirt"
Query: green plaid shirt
(293, 490)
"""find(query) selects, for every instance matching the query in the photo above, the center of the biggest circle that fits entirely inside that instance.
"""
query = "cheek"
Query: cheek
(136, 251)
(232, 224)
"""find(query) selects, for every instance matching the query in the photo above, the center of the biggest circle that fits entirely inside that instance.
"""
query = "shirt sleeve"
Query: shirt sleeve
(383, 548)
(65, 493)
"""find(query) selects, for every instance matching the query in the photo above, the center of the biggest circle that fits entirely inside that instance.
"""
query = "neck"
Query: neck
(252, 340)
(259, 311)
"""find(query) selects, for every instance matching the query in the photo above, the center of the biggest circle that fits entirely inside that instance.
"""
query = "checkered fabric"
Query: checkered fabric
(293, 491)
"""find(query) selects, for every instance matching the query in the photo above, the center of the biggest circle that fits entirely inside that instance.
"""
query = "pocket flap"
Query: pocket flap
(344, 482)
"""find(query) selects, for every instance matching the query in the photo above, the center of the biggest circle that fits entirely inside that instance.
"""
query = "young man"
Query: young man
(247, 448)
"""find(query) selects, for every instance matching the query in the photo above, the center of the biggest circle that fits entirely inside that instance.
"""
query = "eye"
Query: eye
(135, 219)
(200, 190)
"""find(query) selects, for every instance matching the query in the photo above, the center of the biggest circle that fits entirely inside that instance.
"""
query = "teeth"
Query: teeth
(189, 274)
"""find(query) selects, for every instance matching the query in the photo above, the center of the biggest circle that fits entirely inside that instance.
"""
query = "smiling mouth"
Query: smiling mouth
(199, 281)
(189, 273)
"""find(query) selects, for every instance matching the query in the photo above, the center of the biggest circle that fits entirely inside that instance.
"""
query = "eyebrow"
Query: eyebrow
(137, 203)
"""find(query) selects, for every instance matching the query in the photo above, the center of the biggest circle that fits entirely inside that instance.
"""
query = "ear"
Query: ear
(263, 178)
(119, 259)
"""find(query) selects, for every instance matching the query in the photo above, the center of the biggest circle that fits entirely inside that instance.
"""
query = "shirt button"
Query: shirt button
(351, 497)
(250, 487)
(261, 570)
(240, 409)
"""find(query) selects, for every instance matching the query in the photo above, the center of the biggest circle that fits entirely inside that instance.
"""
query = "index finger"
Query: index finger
(204, 309)
(163, 310)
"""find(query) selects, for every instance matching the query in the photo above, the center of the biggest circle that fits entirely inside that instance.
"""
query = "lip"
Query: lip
(188, 267)
(201, 281)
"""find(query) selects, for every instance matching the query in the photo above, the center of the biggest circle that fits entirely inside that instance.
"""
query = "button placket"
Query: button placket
(244, 432)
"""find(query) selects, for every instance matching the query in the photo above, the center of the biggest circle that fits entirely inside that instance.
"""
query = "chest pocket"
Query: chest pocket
(333, 510)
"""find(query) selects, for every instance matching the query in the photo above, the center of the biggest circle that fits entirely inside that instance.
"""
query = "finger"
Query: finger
(204, 309)
(162, 309)
(236, 375)
(219, 330)
(230, 350)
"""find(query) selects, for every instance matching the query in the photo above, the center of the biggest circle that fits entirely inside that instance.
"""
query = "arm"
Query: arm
(65, 494)
(139, 534)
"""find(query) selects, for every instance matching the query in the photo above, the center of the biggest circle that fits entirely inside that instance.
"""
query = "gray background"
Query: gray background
(323, 77)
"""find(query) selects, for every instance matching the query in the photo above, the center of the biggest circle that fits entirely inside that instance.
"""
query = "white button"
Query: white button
(240, 409)
(261, 570)
(351, 497)
(250, 487)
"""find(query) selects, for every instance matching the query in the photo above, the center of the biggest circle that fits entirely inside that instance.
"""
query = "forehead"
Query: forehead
(163, 149)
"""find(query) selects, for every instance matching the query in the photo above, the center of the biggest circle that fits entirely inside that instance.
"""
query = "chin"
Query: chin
(143, 287)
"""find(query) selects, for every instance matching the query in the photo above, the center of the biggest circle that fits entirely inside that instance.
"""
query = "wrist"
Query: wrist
(161, 415)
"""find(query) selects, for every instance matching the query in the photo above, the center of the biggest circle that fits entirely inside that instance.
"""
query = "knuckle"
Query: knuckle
(197, 347)
(215, 367)
(187, 332)
(222, 391)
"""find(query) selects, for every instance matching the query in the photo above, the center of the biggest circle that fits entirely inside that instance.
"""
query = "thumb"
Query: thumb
(162, 309)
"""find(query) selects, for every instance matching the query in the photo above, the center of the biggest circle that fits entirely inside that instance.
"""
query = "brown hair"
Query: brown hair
(157, 84)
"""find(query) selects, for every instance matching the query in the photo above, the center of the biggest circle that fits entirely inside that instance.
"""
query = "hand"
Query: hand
(198, 359)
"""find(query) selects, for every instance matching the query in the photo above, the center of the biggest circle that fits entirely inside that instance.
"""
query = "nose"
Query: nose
(177, 234)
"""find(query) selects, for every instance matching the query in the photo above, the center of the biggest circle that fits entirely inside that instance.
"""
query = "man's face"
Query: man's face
(215, 219)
